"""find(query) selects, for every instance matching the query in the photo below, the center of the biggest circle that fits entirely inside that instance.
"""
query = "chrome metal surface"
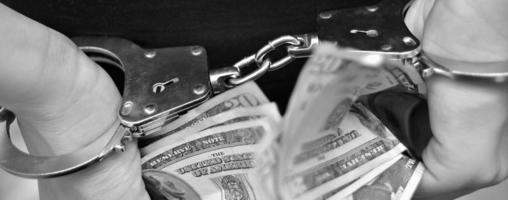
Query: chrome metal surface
(160, 87)
(309, 42)
(21, 164)
(261, 55)
(378, 29)
(219, 77)
(262, 69)
(159, 82)
(490, 72)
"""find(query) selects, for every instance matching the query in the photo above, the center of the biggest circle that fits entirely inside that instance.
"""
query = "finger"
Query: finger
(471, 31)
(416, 16)
(469, 121)
(51, 86)
(63, 101)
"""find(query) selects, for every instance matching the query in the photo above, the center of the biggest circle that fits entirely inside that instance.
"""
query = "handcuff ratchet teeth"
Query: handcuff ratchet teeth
(162, 83)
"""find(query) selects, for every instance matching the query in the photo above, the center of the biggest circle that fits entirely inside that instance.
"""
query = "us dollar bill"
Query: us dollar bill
(328, 61)
(321, 179)
(395, 73)
(332, 146)
(319, 71)
(268, 110)
(218, 163)
(323, 120)
(241, 114)
(163, 185)
(407, 76)
(329, 162)
(261, 131)
(392, 181)
(234, 187)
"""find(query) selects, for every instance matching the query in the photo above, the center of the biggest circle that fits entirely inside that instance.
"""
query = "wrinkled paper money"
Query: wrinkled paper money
(236, 145)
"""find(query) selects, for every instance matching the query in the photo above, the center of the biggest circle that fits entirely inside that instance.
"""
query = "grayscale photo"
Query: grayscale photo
(253, 100)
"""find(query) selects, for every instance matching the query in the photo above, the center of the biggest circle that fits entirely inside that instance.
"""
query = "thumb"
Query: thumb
(52, 86)
(416, 16)
(63, 101)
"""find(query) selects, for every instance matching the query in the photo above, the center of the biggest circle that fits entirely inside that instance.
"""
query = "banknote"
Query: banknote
(398, 181)
(208, 172)
(353, 186)
(333, 165)
(360, 144)
(328, 61)
(246, 95)
(234, 187)
(323, 121)
(321, 179)
(407, 76)
(163, 185)
(261, 131)
(268, 110)
(318, 72)
(395, 73)
(218, 163)
(350, 135)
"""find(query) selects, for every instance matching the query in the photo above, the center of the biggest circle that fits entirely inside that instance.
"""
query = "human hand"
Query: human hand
(469, 119)
(63, 101)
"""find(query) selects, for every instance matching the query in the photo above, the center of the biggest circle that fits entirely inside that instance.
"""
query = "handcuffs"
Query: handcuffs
(160, 84)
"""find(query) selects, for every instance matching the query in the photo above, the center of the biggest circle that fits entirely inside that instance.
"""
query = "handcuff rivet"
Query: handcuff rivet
(427, 72)
(127, 107)
(325, 15)
(372, 8)
(150, 54)
(370, 32)
(199, 89)
(149, 109)
(119, 148)
(196, 51)
(386, 47)
(409, 41)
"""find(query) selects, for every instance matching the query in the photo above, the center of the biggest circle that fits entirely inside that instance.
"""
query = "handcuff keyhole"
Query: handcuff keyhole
(160, 87)
(370, 33)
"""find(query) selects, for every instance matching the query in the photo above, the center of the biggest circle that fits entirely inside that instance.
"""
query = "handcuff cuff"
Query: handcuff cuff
(162, 83)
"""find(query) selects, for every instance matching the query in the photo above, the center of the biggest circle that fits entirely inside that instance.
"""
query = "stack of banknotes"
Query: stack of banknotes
(236, 146)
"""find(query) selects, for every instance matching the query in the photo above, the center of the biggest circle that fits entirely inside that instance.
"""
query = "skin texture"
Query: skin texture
(64, 101)
(468, 118)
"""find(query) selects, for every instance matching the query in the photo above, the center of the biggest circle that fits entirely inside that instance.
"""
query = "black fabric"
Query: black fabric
(406, 115)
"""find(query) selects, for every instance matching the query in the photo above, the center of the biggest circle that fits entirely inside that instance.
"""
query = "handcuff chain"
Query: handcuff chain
(295, 45)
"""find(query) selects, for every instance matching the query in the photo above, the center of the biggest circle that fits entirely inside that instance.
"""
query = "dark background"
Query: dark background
(228, 29)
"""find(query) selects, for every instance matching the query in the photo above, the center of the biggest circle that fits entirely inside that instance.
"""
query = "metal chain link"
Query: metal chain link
(295, 45)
